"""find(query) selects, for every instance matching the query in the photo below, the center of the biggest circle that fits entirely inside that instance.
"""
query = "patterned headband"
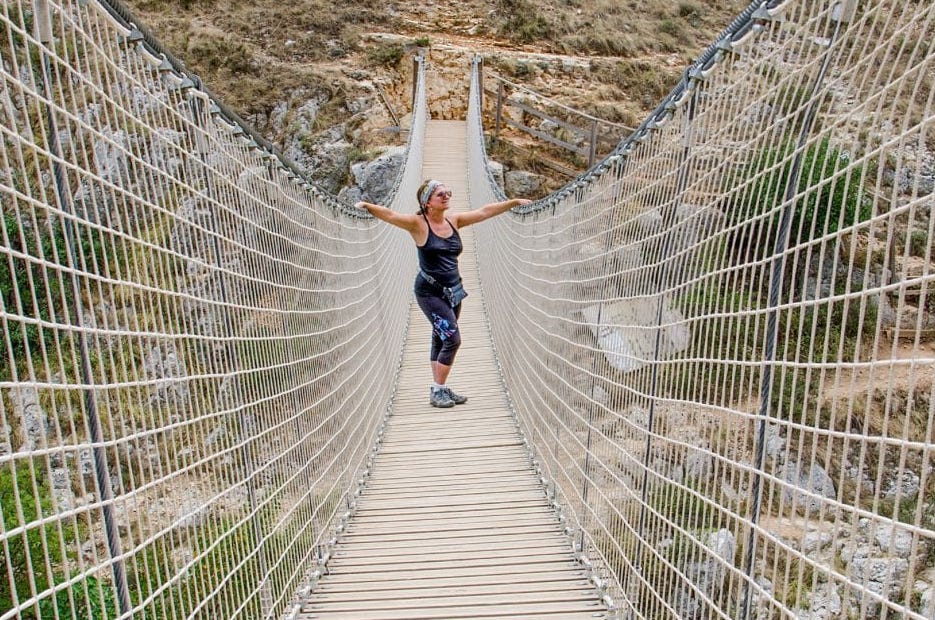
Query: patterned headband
(430, 187)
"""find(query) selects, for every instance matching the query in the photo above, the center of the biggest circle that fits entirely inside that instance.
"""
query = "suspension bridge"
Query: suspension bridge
(700, 375)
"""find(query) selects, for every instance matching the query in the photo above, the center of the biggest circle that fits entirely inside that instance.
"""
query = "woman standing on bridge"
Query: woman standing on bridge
(438, 287)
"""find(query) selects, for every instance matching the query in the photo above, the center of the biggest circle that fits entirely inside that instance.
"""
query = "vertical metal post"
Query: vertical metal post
(102, 474)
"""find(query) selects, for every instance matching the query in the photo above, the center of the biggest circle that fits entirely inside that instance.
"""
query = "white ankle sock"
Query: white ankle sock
(436, 386)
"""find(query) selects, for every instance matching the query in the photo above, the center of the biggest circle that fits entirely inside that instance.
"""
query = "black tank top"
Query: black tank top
(438, 257)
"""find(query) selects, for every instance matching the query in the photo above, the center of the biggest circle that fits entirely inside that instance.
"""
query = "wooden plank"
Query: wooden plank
(365, 603)
(469, 546)
(435, 591)
(504, 531)
(423, 612)
(524, 581)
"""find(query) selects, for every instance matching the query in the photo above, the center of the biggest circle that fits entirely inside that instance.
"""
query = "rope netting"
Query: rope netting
(720, 341)
(198, 345)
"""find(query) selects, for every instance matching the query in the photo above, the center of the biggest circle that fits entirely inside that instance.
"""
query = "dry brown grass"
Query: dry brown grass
(612, 27)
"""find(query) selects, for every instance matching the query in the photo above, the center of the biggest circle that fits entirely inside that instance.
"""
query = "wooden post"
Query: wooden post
(592, 151)
(415, 80)
(496, 130)
(480, 82)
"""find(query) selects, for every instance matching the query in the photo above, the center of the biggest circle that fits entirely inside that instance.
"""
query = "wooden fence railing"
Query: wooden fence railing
(586, 135)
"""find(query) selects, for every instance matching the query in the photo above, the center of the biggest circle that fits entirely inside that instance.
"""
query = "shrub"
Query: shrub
(826, 198)
(385, 55)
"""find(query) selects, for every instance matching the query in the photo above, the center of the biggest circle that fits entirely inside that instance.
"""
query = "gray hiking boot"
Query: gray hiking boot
(455, 397)
(440, 398)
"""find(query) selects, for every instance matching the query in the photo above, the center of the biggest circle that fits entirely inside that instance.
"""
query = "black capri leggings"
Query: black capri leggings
(446, 337)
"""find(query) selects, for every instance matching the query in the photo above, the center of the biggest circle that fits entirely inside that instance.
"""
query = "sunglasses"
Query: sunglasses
(444, 194)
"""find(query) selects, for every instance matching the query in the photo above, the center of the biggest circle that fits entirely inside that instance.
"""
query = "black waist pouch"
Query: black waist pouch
(454, 294)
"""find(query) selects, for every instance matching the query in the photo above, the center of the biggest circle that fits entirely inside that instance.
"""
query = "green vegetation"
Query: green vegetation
(222, 53)
(35, 291)
(386, 54)
(31, 290)
(828, 196)
(219, 546)
(611, 27)
(23, 554)
(840, 329)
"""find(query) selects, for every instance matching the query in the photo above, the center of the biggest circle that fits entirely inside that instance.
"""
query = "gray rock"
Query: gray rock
(883, 576)
(86, 462)
(824, 603)
(161, 363)
(926, 598)
(694, 223)
(377, 178)
(548, 126)
(61, 488)
(350, 195)
(6, 444)
(191, 513)
(815, 540)
(327, 162)
(649, 222)
(520, 183)
(762, 601)
(708, 575)
(496, 170)
(215, 436)
(775, 445)
(32, 418)
(305, 116)
(699, 463)
(904, 484)
(885, 310)
(894, 540)
(817, 481)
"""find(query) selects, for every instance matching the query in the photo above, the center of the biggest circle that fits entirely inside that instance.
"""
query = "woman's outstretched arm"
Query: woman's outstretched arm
(406, 221)
(487, 211)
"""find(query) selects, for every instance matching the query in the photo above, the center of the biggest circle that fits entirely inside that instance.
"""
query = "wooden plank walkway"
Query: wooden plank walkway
(453, 523)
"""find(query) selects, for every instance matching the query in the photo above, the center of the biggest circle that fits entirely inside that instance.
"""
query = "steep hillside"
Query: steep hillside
(273, 61)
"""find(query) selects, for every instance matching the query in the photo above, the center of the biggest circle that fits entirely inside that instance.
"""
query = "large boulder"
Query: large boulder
(376, 178)
(520, 183)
